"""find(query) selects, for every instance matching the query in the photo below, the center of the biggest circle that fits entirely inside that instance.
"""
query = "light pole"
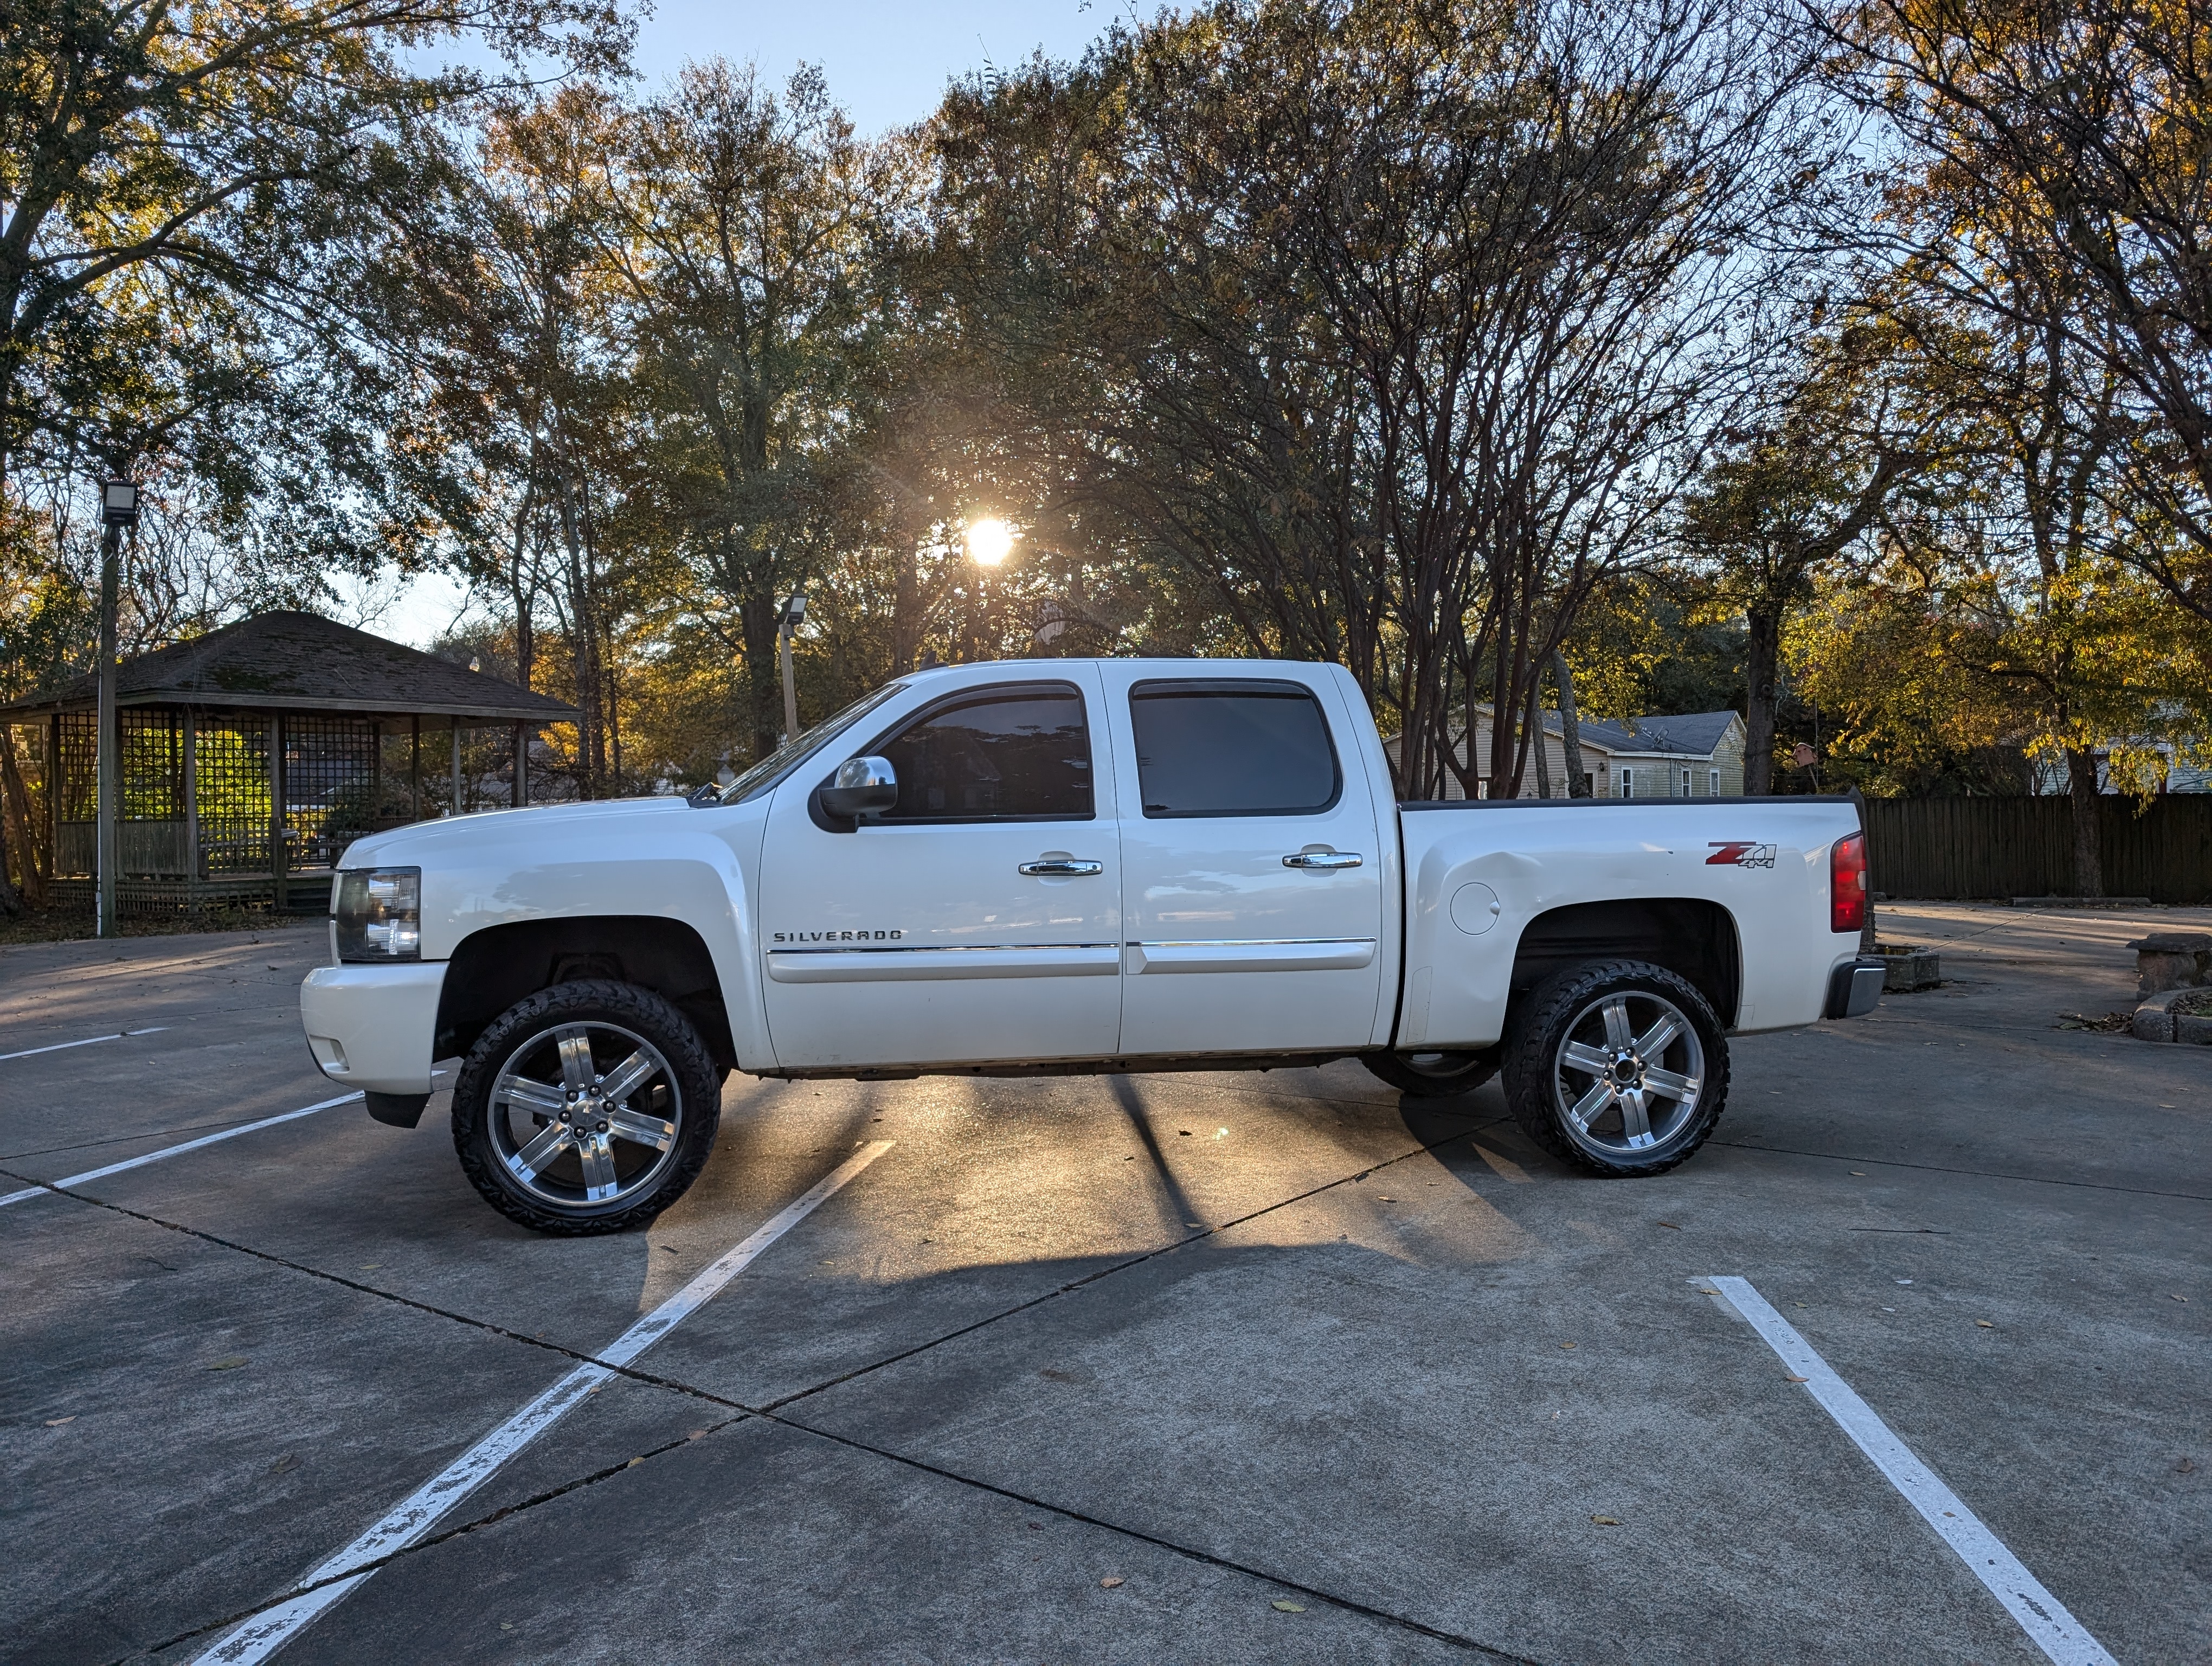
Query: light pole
(787, 620)
(119, 508)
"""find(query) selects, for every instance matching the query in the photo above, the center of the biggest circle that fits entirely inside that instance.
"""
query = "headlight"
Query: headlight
(379, 913)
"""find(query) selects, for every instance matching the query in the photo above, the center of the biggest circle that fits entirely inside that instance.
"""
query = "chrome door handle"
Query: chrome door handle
(1061, 867)
(1322, 859)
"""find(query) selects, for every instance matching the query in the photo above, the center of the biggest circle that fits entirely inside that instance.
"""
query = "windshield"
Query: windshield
(770, 772)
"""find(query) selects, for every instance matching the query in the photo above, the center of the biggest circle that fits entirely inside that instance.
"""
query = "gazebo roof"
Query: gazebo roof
(301, 662)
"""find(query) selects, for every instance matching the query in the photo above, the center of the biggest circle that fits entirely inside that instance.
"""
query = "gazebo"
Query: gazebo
(251, 756)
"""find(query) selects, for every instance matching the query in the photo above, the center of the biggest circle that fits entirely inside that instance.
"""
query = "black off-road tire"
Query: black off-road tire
(609, 1011)
(1433, 1073)
(1550, 1018)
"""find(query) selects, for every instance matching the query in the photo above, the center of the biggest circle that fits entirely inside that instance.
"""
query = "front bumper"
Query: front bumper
(373, 1027)
(1854, 987)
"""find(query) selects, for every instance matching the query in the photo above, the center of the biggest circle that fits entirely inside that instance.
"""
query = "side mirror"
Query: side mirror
(861, 787)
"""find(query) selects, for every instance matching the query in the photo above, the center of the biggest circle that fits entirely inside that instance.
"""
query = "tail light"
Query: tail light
(1847, 884)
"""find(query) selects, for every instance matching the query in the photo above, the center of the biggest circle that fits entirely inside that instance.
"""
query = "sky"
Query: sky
(886, 64)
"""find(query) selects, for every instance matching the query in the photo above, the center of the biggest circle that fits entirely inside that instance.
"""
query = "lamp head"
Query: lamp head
(119, 503)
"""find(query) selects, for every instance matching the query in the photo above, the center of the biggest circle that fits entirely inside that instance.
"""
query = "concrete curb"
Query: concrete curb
(2156, 1021)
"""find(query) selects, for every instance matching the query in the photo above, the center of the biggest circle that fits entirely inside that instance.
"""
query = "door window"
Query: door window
(1243, 748)
(1018, 753)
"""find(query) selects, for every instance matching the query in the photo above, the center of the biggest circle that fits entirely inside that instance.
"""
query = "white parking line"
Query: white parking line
(273, 1627)
(61, 1047)
(2040, 1614)
(174, 1151)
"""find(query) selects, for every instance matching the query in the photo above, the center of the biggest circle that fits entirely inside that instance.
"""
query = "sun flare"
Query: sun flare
(990, 542)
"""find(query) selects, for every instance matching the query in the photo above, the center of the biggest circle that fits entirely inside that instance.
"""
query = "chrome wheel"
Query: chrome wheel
(1627, 1075)
(586, 1113)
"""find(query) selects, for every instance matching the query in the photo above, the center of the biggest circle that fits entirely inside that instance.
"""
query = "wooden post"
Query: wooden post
(279, 890)
(191, 808)
(457, 766)
(415, 762)
(54, 796)
(521, 768)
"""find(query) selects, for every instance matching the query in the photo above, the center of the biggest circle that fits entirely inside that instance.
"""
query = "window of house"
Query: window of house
(1232, 748)
(999, 754)
(1686, 783)
(1628, 783)
(1712, 783)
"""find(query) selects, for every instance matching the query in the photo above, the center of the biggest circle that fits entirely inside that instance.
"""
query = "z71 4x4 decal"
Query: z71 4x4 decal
(1740, 853)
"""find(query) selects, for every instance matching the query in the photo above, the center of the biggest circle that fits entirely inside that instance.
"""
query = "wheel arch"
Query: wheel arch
(494, 968)
(1689, 936)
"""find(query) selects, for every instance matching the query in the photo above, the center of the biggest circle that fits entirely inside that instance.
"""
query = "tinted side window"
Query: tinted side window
(1231, 749)
(995, 755)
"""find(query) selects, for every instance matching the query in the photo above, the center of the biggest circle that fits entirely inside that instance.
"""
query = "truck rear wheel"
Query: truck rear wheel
(1433, 1074)
(589, 1107)
(1618, 1067)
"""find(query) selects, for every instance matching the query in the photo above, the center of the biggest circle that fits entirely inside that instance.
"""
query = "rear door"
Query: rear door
(1253, 871)
(979, 920)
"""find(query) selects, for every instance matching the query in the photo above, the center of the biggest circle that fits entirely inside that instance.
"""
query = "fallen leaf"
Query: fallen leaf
(1861, 1173)
(1386, 1199)
(370, 1265)
(285, 1465)
(2181, 1298)
(1905, 1281)
(1670, 1225)
(1566, 1345)
(1184, 1132)
(697, 1434)
(1110, 1581)
(506, 1625)
(231, 1364)
(1792, 1377)
(57, 1422)
(2186, 1466)
(1288, 1607)
(1606, 1520)
(1985, 1324)
(633, 1463)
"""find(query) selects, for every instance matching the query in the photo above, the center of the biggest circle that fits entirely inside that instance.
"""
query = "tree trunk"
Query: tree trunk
(2089, 855)
(27, 831)
(1536, 737)
(757, 619)
(1570, 729)
(906, 610)
(1762, 660)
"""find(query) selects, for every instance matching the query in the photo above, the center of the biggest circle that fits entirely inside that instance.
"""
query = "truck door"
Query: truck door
(1252, 871)
(980, 918)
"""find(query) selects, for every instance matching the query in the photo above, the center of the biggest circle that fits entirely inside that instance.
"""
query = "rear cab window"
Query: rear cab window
(1243, 746)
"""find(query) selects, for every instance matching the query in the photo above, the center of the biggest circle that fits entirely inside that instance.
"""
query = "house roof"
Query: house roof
(1686, 734)
(286, 661)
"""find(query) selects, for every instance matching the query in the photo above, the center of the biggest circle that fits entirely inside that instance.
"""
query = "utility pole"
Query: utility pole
(786, 622)
(119, 508)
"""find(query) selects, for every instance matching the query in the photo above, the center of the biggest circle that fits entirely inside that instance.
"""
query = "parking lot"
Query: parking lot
(1175, 1369)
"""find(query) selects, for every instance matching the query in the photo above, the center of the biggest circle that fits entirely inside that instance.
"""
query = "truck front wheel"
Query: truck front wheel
(1619, 1067)
(589, 1107)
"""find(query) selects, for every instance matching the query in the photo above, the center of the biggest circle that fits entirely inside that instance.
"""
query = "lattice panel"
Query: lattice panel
(80, 779)
(330, 785)
(233, 788)
(153, 753)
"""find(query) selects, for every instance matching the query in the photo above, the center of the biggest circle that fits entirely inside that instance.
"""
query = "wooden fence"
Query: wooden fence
(2002, 848)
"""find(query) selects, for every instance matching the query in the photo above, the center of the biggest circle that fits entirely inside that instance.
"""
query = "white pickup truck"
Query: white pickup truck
(1071, 865)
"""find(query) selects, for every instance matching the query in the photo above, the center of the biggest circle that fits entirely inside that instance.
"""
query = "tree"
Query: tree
(2082, 128)
(1395, 321)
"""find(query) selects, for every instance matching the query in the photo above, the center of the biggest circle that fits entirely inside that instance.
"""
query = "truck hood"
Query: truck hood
(430, 844)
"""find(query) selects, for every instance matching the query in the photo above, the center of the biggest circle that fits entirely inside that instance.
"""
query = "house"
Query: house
(1693, 755)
